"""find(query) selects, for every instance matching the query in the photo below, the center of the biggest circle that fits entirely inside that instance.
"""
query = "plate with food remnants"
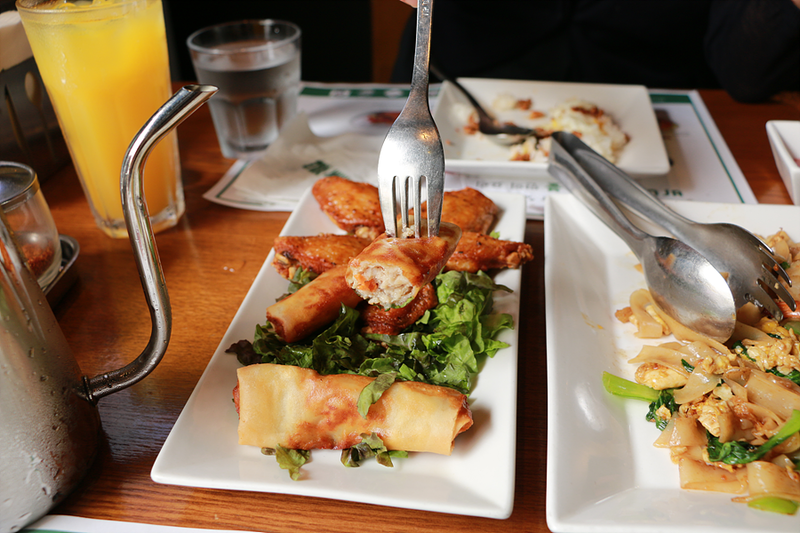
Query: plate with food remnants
(617, 121)
(653, 428)
(409, 401)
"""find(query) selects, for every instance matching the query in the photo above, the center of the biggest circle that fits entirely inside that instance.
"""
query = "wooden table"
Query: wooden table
(210, 260)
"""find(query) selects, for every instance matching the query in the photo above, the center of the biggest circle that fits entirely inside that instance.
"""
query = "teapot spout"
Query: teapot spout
(173, 112)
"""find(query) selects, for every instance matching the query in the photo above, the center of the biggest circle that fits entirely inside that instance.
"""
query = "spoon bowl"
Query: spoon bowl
(687, 287)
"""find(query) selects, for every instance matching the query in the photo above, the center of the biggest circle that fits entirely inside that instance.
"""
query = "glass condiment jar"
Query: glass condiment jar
(30, 219)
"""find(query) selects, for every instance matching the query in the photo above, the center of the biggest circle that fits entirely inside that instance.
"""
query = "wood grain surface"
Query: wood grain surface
(210, 260)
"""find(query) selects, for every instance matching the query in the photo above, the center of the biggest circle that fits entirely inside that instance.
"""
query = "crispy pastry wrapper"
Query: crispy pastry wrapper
(313, 306)
(298, 408)
(391, 270)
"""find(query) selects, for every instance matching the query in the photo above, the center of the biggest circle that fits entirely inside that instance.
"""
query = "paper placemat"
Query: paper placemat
(340, 129)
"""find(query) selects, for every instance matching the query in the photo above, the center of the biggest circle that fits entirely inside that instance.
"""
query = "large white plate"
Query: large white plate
(477, 479)
(629, 105)
(603, 473)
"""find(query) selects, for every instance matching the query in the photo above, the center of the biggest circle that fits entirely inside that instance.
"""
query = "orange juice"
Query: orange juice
(106, 68)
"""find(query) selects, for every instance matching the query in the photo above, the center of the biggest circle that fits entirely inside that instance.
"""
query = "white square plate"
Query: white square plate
(629, 105)
(603, 473)
(477, 479)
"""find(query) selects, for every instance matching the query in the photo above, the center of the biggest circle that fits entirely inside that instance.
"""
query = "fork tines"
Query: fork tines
(407, 192)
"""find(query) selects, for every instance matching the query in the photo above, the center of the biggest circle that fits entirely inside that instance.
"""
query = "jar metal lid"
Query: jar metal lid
(18, 183)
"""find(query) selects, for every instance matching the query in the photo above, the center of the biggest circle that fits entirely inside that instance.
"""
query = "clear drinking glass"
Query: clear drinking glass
(29, 217)
(105, 66)
(256, 65)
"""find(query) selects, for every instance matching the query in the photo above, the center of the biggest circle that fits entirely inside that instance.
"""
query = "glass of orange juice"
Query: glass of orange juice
(105, 66)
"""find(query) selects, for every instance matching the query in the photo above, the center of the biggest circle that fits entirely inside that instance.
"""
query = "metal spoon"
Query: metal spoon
(683, 283)
(502, 134)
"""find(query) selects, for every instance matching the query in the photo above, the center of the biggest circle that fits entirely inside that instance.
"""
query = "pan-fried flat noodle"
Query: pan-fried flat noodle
(729, 413)
(768, 479)
(298, 408)
(648, 326)
(776, 394)
(697, 475)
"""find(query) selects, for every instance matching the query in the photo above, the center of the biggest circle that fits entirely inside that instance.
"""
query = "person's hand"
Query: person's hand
(413, 3)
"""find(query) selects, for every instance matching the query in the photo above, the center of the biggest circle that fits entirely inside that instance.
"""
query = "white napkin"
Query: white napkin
(14, 47)
(292, 164)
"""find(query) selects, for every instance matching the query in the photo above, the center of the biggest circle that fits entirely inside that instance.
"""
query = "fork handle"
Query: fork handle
(422, 50)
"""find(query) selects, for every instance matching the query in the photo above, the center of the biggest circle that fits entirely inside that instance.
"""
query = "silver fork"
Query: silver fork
(412, 150)
(753, 273)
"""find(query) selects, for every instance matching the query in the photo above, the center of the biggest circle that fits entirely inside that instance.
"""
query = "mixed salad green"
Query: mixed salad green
(445, 347)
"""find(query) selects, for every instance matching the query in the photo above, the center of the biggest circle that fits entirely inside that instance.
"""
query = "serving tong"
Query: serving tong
(412, 150)
(748, 264)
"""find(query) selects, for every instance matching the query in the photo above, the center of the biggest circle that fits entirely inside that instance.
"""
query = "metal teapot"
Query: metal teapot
(49, 425)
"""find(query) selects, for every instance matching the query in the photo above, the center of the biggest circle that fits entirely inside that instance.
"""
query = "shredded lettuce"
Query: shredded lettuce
(443, 347)
(371, 445)
(289, 459)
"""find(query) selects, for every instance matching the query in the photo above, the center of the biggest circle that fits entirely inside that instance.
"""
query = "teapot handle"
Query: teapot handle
(137, 219)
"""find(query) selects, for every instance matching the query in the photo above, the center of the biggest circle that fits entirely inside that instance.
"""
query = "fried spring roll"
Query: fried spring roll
(391, 271)
(300, 409)
(313, 306)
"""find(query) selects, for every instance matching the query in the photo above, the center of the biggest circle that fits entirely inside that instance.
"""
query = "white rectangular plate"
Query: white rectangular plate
(629, 105)
(477, 479)
(603, 473)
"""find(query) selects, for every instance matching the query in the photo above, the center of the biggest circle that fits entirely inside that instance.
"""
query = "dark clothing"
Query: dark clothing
(751, 48)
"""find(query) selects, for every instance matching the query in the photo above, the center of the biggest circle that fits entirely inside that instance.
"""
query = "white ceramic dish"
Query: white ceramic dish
(477, 479)
(603, 473)
(784, 138)
(629, 105)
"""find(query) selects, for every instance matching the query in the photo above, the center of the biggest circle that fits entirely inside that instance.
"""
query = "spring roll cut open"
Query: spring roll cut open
(300, 409)
(391, 270)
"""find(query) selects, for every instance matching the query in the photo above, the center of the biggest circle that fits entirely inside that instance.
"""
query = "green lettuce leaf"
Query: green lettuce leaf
(373, 392)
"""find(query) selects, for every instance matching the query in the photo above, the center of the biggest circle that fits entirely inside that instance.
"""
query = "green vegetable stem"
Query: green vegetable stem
(737, 453)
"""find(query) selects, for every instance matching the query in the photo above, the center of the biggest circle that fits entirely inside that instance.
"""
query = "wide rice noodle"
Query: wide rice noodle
(767, 479)
(727, 394)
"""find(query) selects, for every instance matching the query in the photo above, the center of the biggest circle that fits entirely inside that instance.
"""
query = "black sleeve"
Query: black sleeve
(753, 47)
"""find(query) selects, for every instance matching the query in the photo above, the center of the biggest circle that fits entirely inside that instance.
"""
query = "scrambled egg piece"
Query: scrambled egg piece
(780, 350)
(659, 377)
(711, 412)
(717, 364)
